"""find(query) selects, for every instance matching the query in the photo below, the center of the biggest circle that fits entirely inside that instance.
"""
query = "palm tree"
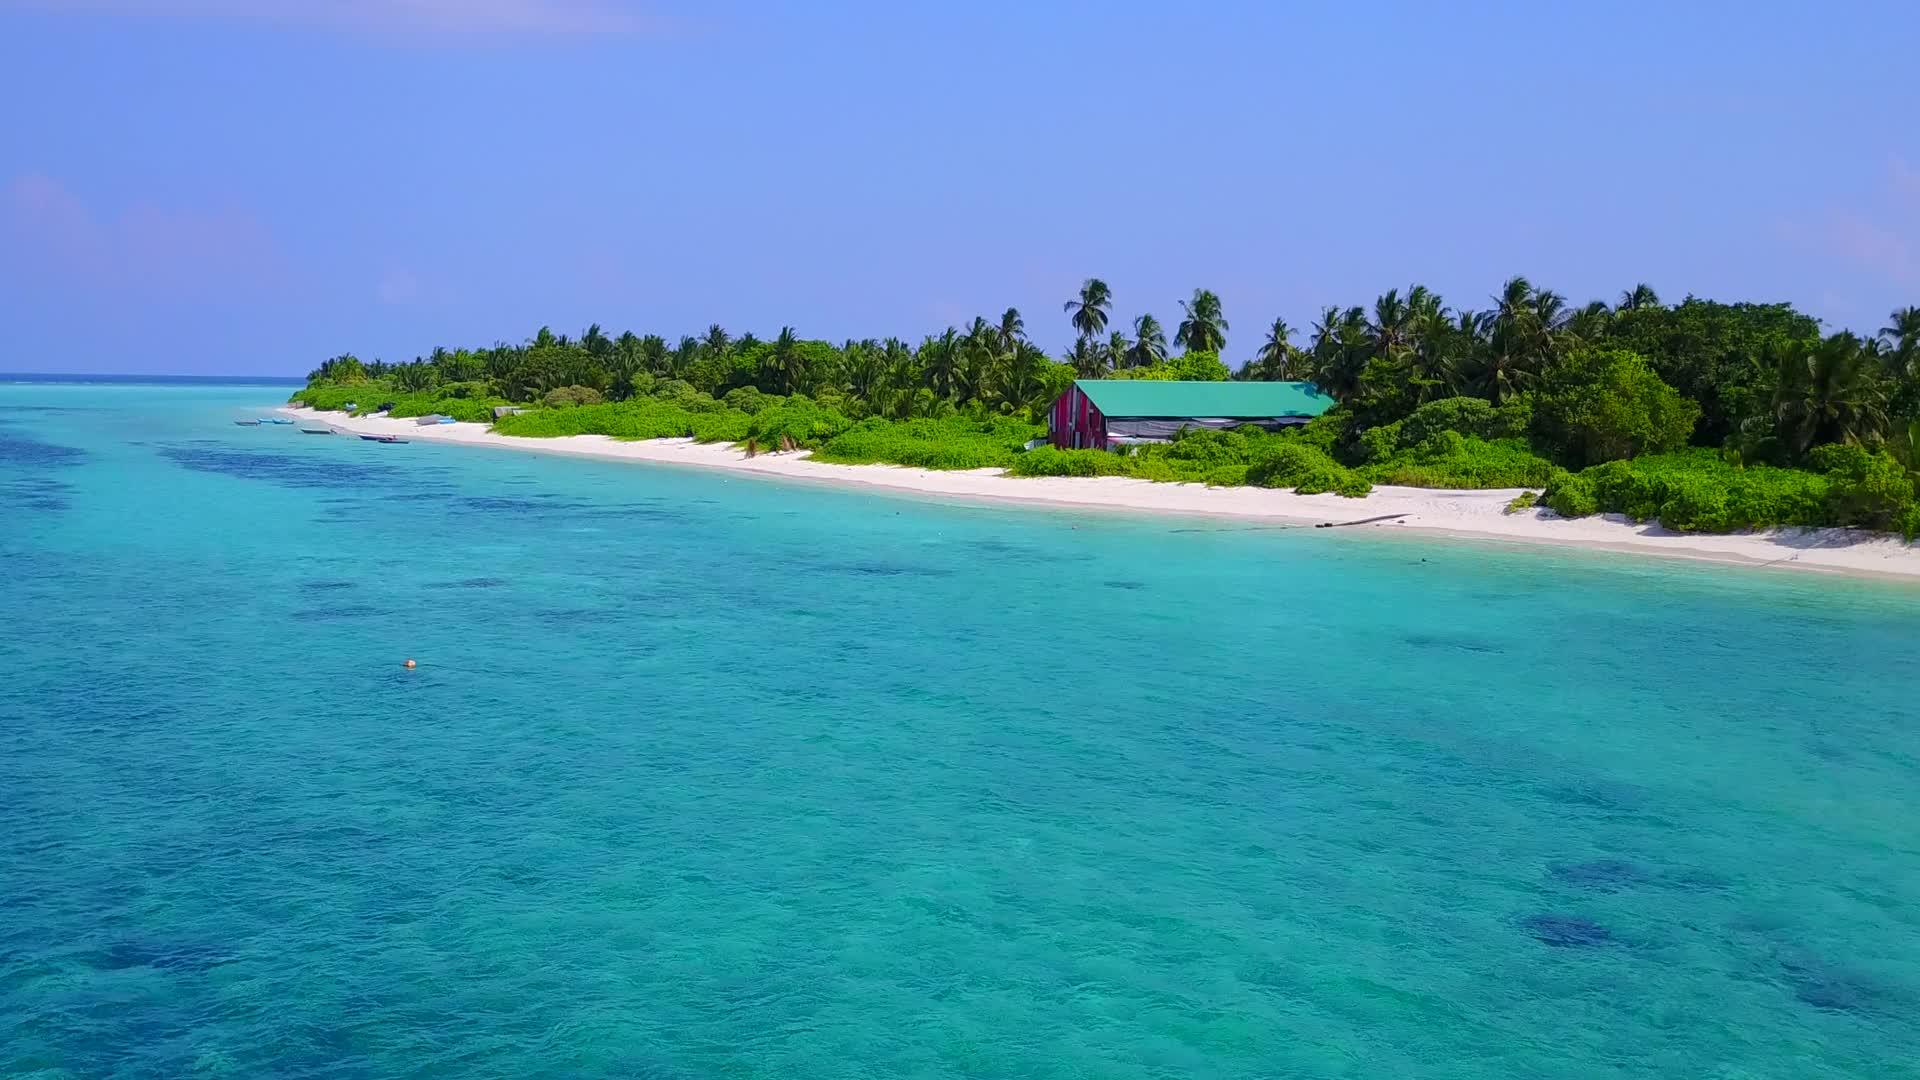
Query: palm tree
(654, 358)
(1089, 309)
(1526, 328)
(1590, 322)
(1438, 345)
(1902, 335)
(786, 363)
(1422, 301)
(627, 362)
(1342, 347)
(865, 370)
(1087, 360)
(1021, 376)
(938, 359)
(1204, 329)
(1274, 361)
(1829, 391)
(1638, 297)
(716, 342)
(1390, 318)
(1012, 329)
(979, 356)
(685, 353)
(901, 376)
(1118, 349)
(1149, 342)
(984, 334)
(1507, 364)
(1326, 332)
(596, 342)
(1515, 299)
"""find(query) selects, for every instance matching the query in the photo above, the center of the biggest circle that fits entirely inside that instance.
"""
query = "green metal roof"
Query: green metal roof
(1226, 400)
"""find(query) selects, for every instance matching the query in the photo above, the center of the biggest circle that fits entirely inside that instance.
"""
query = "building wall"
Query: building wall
(1074, 423)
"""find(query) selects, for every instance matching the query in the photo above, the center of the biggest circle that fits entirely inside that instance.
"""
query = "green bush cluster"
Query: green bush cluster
(1199, 366)
(1297, 464)
(806, 422)
(1699, 490)
(1449, 459)
(1470, 416)
(1607, 404)
(462, 401)
(1052, 461)
(1868, 489)
(566, 397)
(1694, 491)
(636, 418)
(954, 442)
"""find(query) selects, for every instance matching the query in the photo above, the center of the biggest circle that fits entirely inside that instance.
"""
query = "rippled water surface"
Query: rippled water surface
(702, 776)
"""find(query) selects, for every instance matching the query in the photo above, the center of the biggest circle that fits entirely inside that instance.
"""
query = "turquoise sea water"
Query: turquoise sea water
(703, 776)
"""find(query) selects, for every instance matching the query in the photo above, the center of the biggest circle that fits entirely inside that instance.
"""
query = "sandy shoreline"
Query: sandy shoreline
(1465, 514)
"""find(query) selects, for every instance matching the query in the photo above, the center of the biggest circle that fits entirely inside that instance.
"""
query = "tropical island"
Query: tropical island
(1702, 416)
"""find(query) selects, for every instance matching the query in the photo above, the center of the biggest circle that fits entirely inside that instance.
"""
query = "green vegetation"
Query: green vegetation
(1700, 415)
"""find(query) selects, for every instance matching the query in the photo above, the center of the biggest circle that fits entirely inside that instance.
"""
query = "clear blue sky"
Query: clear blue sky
(215, 186)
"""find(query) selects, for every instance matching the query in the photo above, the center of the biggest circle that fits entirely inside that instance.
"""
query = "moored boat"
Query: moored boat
(248, 423)
(316, 431)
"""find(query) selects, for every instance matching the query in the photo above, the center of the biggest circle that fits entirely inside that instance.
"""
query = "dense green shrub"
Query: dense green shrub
(1449, 459)
(1472, 416)
(1695, 491)
(1327, 432)
(331, 397)
(462, 401)
(800, 419)
(1294, 463)
(952, 442)
(1187, 367)
(639, 418)
(567, 397)
(1213, 447)
(1051, 461)
(747, 399)
(1571, 495)
(1606, 404)
(1869, 489)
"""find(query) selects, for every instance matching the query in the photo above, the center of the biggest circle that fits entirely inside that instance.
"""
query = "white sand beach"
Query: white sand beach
(1471, 514)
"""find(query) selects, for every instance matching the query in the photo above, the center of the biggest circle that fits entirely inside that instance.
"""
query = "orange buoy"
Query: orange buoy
(410, 663)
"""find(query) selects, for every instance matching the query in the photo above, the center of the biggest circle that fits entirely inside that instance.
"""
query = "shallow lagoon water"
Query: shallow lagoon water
(711, 776)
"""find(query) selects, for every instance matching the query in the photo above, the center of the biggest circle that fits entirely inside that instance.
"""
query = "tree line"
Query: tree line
(1767, 384)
